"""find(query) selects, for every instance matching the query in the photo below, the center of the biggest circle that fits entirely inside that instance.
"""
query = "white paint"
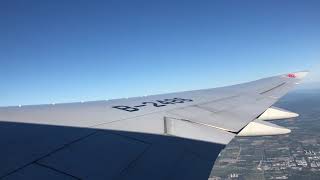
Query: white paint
(273, 113)
(262, 128)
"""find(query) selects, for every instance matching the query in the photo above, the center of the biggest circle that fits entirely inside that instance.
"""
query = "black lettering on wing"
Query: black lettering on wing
(126, 108)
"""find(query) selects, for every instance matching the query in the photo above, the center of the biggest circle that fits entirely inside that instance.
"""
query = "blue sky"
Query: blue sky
(61, 51)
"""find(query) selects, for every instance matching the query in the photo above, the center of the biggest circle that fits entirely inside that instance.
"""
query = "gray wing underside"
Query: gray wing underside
(94, 140)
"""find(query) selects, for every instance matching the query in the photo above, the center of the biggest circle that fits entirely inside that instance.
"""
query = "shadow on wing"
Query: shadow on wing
(33, 151)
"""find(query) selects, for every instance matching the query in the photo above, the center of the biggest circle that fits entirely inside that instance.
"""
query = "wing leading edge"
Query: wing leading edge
(140, 137)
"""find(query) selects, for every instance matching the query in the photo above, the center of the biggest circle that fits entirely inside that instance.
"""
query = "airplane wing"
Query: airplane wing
(169, 136)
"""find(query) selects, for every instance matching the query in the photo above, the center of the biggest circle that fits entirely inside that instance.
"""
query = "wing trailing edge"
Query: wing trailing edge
(196, 131)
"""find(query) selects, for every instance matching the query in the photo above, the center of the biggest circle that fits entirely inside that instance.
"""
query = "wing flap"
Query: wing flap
(230, 115)
(196, 131)
(164, 124)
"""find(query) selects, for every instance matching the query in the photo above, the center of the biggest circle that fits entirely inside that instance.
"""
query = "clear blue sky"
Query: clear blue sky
(71, 50)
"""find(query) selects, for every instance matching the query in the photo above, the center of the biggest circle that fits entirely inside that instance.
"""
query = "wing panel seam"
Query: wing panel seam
(279, 85)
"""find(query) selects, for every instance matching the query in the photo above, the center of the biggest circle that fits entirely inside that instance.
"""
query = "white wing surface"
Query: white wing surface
(169, 136)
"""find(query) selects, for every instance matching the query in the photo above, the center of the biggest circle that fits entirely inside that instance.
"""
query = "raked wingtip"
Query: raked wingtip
(298, 75)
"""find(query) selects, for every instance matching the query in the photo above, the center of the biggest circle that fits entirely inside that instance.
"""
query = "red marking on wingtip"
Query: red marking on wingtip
(291, 75)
